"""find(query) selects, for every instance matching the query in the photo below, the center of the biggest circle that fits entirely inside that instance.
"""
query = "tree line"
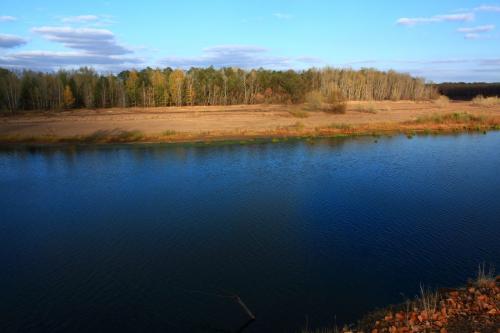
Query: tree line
(467, 91)
(86, 88)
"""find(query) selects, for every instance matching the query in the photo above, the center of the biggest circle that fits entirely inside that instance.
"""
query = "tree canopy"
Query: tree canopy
(86, 88)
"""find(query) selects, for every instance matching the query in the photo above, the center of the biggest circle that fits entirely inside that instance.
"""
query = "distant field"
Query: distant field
(242, 121)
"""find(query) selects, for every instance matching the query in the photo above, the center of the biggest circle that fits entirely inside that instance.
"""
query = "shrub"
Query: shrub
(314, 99)
(330, 101)
(336, 108)
(298, 126)
(480, 100)
(298, 113)
(457, 117)
(365, 108)
(259, 98)
(169, 132)
(442, 101)
(340, 126)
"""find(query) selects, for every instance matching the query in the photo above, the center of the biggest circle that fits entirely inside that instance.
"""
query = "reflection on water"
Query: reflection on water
(140, 238)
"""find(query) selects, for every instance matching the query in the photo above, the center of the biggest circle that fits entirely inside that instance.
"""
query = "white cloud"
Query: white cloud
(47, 60)
(88, 47)
(310, 60)
(283, 16)
(10, 41)
(7, 18)
(489, 62)
(461, 17)
(472, 36)
(80, 19)
(95, 41)
(89, 20)
(242, 56)
(487, 8)
(478, 29)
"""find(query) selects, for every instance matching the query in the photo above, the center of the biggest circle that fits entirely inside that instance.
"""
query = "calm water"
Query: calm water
(139, 238)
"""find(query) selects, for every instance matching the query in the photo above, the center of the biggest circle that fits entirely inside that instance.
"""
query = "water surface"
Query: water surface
(141, 238)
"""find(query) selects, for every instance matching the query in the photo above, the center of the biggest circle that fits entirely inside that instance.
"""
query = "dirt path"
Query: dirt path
(201, 119)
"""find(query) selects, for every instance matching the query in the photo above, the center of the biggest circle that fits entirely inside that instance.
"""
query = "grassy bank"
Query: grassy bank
(429, 124)
(472, 308)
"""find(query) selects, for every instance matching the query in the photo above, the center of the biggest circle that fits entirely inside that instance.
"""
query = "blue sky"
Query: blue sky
(440, 40)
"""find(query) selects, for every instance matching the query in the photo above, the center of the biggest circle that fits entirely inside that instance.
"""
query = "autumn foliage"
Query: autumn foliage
(30, 90)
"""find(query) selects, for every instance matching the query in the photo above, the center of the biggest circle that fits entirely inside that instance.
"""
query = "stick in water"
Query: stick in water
(244, 307)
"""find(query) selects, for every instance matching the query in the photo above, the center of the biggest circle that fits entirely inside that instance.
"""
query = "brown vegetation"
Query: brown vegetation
(181, 124)
(486, 101)
(86, 89)
(442, 101)
(475, 308)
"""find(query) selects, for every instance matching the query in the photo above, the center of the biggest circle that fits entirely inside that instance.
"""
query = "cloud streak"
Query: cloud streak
(487, 8)
(94, 41)
(461, 17)
(476, 32)
(243, 56)
(80, 19)
(88, 20)
(478, 29)
(283, 16)
(10, 41)
(88, 47)
(7, 18)
(48, 60)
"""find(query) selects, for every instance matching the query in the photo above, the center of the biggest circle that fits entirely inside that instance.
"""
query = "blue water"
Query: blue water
(146, 238)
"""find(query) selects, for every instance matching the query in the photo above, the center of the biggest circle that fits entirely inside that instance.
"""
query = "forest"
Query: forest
(86, 88)
(467, 91)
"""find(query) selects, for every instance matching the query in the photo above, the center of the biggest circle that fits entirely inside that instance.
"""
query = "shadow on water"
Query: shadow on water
(96, 237)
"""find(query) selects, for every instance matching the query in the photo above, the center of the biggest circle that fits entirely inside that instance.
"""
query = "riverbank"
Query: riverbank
(244, 122)
(473, 308)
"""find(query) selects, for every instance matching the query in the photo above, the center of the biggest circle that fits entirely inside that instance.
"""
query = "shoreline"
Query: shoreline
(244, 123)
(473, 307)
(133, 137)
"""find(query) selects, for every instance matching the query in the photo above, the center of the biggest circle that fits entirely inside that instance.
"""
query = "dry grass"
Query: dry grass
(485, 101)
(340, 126)
(442, 101)
(485, 278)
(338, 107)
(298, 125)
(242, 122)
(169, 133)
(472, 308)
(296, 113)
(455, 118)
(365, 108)
(332, 103)
(428, 300)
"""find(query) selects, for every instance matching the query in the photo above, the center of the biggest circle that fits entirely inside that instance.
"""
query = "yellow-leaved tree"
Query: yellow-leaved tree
(176, 81)
(68, 98)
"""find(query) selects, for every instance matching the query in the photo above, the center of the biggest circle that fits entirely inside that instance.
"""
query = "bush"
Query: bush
(336, 108)
(480, 100)
(298, 113)
(314, 99)
(442, 101)
(366, 108)
(331, 101)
